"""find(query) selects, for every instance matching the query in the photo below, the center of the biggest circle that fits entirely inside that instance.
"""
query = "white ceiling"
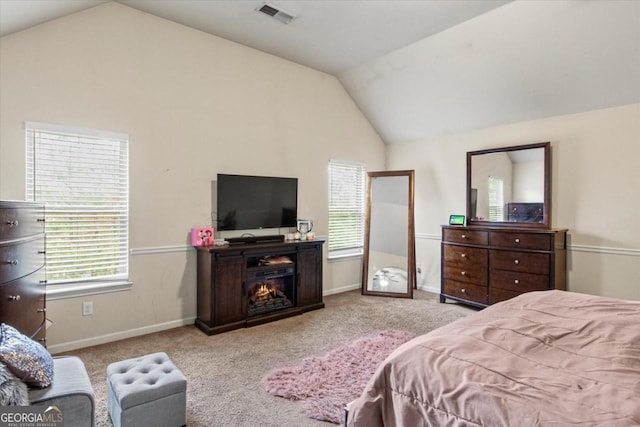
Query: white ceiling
(419, 69)
(327, 35)
(524, 61)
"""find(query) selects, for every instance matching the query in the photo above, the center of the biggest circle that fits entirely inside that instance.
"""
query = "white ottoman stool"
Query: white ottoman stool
(146, 391)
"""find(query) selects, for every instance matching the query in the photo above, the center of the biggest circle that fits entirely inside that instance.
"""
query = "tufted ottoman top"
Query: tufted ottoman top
(145, 379)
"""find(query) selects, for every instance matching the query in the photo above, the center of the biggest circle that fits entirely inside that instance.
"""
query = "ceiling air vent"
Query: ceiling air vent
(276, 13)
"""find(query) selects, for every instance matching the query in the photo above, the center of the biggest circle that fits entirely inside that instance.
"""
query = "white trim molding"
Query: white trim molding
(427, 236)
(80, 289)
(160, 250)
(432, 289)
(116, 336)
(603, 250)
(341, 289)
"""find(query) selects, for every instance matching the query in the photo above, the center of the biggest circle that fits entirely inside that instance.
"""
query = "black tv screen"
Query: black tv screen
(252, 202)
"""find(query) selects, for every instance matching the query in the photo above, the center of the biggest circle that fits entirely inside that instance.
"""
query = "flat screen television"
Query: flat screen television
(252, 202)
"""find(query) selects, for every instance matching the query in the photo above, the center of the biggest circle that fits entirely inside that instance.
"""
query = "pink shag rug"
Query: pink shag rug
(328, 383)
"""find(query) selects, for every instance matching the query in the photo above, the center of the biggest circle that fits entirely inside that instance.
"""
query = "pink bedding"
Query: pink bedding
(549, 358)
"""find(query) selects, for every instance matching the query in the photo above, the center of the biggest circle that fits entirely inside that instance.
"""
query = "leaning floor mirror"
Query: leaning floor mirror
(389, 264)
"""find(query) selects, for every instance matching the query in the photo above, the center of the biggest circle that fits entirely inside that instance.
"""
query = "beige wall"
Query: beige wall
(595, 192)
(194, 105)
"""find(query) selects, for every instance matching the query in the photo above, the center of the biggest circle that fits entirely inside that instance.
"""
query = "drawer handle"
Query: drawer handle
(463, 255)
(41, 310)
(14, 297)
(464, 273)
(12, 262)
(42, 282)
(12, 223)
(40, 220)
(516, 282)
(463, 290)
(516, 262)
(517, 240)
(464, 236)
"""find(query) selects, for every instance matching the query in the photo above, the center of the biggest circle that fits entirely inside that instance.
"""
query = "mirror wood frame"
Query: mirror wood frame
(411, 250)
(546, 222)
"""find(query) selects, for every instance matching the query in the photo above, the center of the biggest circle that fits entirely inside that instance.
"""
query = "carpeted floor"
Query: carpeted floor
(326, 382)
(224, 371)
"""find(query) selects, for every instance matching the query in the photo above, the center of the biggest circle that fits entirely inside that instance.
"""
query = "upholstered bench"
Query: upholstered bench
(146, 391)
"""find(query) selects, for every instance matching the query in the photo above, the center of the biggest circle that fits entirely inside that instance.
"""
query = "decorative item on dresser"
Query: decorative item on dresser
(22, 273)
(507, 247)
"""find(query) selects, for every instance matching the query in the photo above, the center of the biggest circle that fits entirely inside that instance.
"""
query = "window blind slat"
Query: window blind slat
(82, 177)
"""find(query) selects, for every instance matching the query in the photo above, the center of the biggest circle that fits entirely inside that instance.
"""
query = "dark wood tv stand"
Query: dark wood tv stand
(225, 274)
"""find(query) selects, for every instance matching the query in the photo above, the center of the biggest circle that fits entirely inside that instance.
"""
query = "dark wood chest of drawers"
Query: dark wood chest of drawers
(484, 265)
(22, 259)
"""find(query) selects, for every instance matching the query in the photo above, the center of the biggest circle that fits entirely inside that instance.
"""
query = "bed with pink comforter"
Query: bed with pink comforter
(549, 358)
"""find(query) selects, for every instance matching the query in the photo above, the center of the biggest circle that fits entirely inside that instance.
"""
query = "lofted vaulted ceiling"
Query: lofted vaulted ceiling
(420, 69)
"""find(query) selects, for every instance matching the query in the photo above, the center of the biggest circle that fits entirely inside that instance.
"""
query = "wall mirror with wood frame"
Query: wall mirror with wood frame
(389, 264)
(510, 186)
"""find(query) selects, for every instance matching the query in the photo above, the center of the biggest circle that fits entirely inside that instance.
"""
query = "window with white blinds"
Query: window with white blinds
(82, 178)
(346, 208)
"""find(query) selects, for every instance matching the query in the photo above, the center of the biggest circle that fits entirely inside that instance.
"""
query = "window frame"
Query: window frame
(119, 223)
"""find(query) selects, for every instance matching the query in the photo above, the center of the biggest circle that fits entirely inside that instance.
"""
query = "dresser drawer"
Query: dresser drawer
(22, 303)
(16, 223)
(519, 240)
(519, 261)
(476, 276)
(465, 291)
(519, 282)
(464, 256)
(21, 258)
(463, 235)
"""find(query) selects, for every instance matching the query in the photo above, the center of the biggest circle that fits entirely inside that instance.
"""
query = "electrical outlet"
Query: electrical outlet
(87, 308)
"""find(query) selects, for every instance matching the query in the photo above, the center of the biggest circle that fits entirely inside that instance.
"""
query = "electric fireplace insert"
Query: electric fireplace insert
(270, 289)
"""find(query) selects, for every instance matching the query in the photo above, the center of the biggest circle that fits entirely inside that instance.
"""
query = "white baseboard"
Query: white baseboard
(431, 289)
(342, 289)
(116, 336)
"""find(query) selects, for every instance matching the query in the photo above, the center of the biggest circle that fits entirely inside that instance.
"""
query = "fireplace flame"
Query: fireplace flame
(263, 291)
(267, 296)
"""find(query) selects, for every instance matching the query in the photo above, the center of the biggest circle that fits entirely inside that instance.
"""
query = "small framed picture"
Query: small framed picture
(456, 219)
(202, 236)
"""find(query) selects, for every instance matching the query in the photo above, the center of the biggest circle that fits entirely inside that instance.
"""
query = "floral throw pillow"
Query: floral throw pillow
(25, 358)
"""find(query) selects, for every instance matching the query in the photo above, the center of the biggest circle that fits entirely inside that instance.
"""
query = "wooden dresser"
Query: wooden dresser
(485, 265)
(22, 277)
